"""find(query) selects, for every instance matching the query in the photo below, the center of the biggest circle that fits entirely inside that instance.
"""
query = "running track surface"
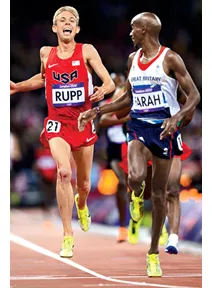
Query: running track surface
(98, 260)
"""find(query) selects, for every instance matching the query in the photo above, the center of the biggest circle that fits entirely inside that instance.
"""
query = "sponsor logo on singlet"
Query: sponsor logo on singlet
(148, 98)
(68, 95)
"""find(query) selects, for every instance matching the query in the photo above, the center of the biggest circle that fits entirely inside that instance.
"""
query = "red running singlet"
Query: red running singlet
(68, 87)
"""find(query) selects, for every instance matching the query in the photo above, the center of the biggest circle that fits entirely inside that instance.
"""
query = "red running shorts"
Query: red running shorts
(68, 130)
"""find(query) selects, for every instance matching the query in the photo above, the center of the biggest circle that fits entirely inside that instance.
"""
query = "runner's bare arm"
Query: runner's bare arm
(110, 119)
(177, 67)
(123, 112)
(182, 98)
(181, 95)
(94, 60)
(35, 82)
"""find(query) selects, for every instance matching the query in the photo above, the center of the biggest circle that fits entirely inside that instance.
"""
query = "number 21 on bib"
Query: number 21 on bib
(53, 126)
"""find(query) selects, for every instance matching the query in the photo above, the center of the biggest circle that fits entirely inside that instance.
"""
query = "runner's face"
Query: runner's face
(136, 33)
(66, 26)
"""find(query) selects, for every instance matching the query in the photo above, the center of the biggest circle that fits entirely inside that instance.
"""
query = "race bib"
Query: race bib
(68, 95)
(148, 98)
(53, 126)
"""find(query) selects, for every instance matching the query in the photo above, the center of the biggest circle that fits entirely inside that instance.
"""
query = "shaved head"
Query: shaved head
(149, 21)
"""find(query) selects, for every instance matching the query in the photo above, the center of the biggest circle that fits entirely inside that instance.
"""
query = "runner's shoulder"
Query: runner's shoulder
(132, 55)
(89, 48)
(172, 57)
(45, 50)
(130, 59)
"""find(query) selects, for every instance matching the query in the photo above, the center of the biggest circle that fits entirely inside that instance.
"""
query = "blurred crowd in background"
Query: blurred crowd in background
(106, 25)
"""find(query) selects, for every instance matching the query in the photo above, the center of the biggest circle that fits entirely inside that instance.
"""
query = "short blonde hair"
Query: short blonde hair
(66, 8)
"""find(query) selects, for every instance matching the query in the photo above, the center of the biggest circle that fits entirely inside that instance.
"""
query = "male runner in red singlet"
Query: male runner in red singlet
(155, 72)
(66, 72)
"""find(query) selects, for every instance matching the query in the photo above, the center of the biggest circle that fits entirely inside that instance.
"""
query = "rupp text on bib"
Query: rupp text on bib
(68, 95)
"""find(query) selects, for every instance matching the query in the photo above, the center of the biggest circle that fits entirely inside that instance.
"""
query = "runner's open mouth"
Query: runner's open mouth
(67, 31)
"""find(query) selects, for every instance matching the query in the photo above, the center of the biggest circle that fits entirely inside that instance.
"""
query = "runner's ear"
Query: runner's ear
(78, 29)
(54, 28)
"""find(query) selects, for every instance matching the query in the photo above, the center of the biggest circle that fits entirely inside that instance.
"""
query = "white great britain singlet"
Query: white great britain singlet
(154, 93)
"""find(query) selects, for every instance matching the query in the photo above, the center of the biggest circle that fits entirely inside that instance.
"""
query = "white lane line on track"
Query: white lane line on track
(22, 242)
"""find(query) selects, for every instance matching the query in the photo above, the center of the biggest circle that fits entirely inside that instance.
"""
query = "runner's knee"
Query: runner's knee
(173, 191)
(135, 179)
(85, 186)
(64, 174)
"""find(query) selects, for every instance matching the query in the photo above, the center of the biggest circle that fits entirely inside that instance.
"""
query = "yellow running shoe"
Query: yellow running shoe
(83, 215)
(137, 204)
(67, 247)
(133, 231)
(153, 265)
(164, 236)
